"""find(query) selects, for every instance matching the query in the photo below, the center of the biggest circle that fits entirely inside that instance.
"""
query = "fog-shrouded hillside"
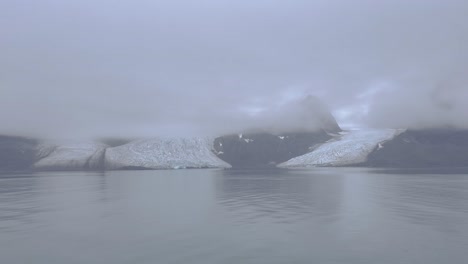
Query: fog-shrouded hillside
(273, 135)
(266, 150)
(368, 148)
(301, 133)
(423, 148)
(279, 135)
(17, 153)
(302, 115)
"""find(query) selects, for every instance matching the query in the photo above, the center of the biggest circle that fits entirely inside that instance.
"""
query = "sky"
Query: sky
(101, 68)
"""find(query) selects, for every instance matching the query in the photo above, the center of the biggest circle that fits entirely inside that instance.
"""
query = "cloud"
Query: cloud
(142, 68)
(420, 105)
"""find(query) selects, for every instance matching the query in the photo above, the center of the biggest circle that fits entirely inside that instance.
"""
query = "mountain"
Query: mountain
(315, 111)
(283, 133)
(423, 148)
(304, 115)
(17, 153)
(277, 135)
(369, 148)
(164, 153)
(259, 150)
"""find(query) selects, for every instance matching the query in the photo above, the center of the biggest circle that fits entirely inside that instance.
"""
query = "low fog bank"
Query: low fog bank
(299, 113)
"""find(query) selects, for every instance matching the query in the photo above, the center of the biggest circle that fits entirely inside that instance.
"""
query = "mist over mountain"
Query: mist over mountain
(433, 106)
(273, 136)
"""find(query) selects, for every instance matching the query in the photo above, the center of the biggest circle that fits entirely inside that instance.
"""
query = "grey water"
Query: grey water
(319, 215)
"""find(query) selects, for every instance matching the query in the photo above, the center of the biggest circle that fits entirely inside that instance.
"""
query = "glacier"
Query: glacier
(349, 148)
(69, 156)
(164, 153)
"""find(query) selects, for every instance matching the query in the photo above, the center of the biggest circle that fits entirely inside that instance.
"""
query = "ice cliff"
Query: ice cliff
(350, 148)
(164, 153)
(69, 156)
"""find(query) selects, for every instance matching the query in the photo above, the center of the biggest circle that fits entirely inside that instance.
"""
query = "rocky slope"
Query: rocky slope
(422, 149)
(17, 153)
(264, 149)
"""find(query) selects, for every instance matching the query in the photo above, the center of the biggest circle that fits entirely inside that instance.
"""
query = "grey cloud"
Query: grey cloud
(143, 68)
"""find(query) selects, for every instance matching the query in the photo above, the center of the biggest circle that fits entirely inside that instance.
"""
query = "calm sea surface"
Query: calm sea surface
(228, 216)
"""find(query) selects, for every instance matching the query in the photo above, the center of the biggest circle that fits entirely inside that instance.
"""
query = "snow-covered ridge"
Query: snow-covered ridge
(352, 147)
(164, 153)
(69, 156)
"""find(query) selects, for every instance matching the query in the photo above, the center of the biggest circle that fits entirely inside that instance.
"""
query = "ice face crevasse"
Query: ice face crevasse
(164, 153)
(351, 148)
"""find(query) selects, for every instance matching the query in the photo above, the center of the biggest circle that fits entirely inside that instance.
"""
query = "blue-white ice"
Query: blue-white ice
(351, 147)
(164, 153)
(69, 156)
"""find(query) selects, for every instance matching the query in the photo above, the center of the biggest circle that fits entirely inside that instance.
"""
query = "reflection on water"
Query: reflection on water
(17, 201)
(438, 200)
(275, 195)
(235, 216)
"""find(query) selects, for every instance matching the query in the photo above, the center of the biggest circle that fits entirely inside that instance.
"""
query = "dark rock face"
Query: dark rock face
(16, 153)
(423, 148)
(308, 114)
(291, 131)
(265, 150)
(318, 110)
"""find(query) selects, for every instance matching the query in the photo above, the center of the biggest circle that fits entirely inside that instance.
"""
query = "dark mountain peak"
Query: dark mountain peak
(303, 115)
(320, 113)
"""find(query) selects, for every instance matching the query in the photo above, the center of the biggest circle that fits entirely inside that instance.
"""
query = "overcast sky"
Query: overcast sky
(140, 68)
